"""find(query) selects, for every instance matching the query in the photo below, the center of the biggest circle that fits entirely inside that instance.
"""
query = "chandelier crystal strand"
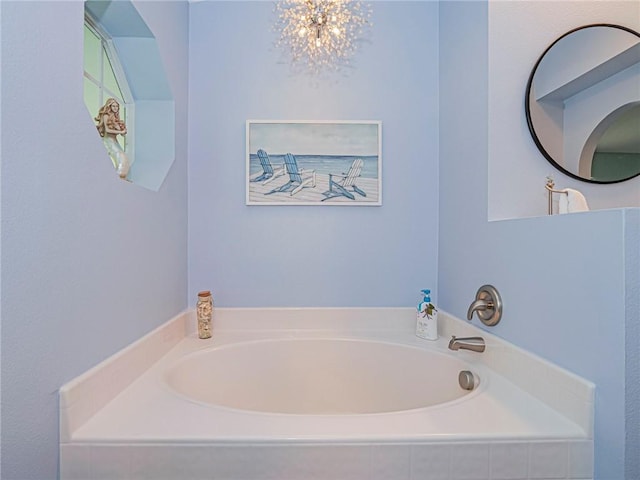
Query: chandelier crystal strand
(321, 35)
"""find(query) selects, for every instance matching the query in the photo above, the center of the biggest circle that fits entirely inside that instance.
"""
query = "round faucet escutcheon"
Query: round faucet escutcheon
(487, 305)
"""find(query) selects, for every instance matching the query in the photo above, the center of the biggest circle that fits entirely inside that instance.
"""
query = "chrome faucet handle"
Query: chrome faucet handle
(479, 306)
(488, 305)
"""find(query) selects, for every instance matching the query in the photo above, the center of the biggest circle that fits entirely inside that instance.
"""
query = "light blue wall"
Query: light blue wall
(632, 334)
(563, 279)
(89, 263)
(317, 255)
(519, 31)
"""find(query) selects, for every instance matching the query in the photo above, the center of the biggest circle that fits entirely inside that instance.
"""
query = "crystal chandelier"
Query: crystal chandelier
(321, 35)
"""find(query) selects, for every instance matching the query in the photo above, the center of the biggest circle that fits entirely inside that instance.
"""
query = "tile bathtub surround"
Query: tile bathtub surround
(82, 397)
(467, 459)
(567, 393)
(434, 461)
(562, 390)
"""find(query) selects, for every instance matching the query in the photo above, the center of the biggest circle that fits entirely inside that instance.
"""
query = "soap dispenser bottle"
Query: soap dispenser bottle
(427, 318)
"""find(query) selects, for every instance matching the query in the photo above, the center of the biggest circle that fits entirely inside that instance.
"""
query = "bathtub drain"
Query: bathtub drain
(466, 380)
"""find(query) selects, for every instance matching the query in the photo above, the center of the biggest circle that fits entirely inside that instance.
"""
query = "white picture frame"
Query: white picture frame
(314, 162)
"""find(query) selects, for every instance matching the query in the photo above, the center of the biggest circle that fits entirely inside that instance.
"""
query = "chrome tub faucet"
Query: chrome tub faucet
(475, 344)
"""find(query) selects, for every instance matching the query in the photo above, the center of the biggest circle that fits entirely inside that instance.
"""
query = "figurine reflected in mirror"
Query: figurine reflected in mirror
(110, 126)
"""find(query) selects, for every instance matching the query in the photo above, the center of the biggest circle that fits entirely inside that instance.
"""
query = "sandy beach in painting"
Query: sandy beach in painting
(310, 195)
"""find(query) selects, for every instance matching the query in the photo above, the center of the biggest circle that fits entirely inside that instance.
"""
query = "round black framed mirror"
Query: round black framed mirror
(582, 103)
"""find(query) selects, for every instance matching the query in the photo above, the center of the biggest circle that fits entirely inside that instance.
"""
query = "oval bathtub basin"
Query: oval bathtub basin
(318, 377)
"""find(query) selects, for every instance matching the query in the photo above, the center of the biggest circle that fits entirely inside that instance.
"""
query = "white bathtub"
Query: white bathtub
(323, 394)
(319, 376)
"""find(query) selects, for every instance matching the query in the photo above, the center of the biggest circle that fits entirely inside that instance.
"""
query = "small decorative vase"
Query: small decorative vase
(204, 312)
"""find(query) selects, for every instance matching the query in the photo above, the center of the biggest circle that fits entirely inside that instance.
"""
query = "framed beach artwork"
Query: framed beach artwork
(314, 163)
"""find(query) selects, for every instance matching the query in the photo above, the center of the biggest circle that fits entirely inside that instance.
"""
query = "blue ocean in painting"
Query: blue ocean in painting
(323, 164)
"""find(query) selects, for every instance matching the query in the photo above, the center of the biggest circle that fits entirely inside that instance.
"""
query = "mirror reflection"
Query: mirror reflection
(583, 103)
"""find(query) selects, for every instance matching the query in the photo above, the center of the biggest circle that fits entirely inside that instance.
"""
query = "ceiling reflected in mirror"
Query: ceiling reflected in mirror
(582, 103)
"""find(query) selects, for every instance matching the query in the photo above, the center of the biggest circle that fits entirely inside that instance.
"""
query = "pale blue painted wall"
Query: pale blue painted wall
(312, 256)
(80, 283)
(563, 279)
(519, 31)
(632, 333)
(89, 263)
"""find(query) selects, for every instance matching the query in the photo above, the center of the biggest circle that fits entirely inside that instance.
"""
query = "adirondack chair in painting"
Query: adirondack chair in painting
(298, 179)
(347, 184)
(268, 172)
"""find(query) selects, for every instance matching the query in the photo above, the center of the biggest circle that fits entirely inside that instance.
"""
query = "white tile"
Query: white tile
(221, 462)
(268, 463)
(311, 462)
(470, 461)
(391, 462)
(509, 461)
(430, 462)
(580, 459)
(171, 462)
(344, 462)
(110, 462)
(548, 460)
(255, 462)
(74, 462)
